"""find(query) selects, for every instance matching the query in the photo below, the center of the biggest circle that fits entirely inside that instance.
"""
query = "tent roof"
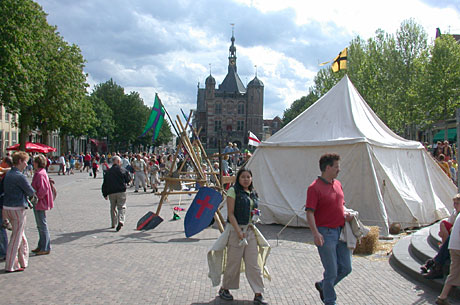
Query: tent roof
(341, 116)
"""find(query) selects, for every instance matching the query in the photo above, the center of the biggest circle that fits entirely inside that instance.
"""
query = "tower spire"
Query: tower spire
(232, 52)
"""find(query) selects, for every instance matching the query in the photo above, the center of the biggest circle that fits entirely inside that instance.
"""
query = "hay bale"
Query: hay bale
(368, 244)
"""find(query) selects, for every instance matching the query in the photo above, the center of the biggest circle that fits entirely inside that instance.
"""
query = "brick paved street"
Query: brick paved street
(92, 264)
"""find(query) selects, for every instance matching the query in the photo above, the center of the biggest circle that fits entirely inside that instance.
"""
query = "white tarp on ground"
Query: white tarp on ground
(385, 178)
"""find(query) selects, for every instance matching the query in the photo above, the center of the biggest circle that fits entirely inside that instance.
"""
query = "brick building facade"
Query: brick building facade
(229, 112)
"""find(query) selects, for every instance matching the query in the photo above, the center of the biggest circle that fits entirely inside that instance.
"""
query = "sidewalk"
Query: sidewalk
(90, 263)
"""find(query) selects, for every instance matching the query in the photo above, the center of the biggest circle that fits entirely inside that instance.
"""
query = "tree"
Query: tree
(129, 116)
(64, 102)
(388, 72)
(411, 45)
(41, 76)
(104, 125)
(441, 91)
(23, 32)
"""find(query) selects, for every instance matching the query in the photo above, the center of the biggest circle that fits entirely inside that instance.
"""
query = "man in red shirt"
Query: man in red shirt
(326, 217)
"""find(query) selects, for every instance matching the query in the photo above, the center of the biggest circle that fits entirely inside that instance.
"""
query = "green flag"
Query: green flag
(155, 120)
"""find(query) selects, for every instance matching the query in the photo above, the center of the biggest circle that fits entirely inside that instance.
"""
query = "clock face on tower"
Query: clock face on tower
(232, 61)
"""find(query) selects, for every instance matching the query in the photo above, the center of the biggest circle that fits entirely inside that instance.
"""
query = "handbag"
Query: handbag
(53, 189)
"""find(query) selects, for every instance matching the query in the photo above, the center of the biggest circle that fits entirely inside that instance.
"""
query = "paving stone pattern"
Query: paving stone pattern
(90, 263)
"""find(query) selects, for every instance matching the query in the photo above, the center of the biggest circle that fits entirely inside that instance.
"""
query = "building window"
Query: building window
(1, 140)
(14, 137)
(217, 126)
(240, 126)
(1, 113)
(218, 108)
(7, 116)
(240, 108)
(7, 139)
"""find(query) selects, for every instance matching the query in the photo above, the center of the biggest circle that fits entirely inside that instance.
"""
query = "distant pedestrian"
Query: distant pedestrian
(114, 188)
(326, 218)
(87, 162)
(41, 184)
(15, 205)
(61, 162)
(140, 172)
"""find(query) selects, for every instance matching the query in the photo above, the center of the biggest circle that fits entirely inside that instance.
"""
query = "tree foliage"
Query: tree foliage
(41, 75)
(409, 84)
(129, 116)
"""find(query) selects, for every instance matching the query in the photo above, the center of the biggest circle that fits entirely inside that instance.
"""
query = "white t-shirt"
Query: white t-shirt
(454, 242)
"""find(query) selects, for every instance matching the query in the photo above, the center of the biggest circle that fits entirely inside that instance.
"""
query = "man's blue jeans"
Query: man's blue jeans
(42, 226)
(336, 259)
(3, 237)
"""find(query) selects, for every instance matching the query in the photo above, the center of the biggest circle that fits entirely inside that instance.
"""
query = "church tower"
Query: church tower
(228, 113)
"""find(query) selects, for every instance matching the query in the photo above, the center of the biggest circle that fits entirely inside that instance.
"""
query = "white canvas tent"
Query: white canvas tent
(385, 178)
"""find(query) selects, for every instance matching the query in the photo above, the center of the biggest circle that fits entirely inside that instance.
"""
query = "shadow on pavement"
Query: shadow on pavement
(295, 234)
(69, 237)
(218, 301)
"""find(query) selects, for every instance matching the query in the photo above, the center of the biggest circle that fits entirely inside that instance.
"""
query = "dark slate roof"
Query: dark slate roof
(256, 83)
(210, 80)
(232, 83)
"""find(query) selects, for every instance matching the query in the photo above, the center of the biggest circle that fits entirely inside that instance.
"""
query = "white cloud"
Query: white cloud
(167, 47)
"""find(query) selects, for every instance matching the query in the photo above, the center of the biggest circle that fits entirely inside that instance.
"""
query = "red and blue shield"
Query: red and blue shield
(202, 210)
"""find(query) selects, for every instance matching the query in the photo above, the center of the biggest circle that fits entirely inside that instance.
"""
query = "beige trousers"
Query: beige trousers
(249, 254)
(117, 208)
(17, 255)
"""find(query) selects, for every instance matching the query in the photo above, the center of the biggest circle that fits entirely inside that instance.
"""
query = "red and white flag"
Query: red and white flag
(253, 140)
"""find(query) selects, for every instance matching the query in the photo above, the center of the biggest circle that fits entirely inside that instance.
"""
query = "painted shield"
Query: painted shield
(201, 211)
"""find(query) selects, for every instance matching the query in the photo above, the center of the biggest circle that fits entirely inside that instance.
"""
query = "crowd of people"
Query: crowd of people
(445, 156)
(325, 210)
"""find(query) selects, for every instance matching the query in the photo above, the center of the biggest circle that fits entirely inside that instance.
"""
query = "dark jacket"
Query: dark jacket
(242, 210)
(16, 188)
(115, 180)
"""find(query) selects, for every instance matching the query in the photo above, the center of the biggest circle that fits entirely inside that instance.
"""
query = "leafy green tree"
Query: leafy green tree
(441, 91)
(41, 76)
(388, 72)
(104, 125)
(129, 115)
(64, 102)
(23, 33)
(411, 45)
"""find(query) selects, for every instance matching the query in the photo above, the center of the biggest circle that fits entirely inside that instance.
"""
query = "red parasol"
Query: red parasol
(33, 147)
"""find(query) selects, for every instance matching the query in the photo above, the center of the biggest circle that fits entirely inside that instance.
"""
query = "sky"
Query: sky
(170, 47)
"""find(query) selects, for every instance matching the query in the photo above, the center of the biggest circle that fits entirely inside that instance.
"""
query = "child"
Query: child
(72, 164)
(67, 166)
(95, 167)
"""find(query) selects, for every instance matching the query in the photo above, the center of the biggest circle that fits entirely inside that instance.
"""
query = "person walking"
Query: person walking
(15, 205)
(61, 162)
(242, 201)
(114, 188)
(87, 162)
(42, 187)
(326, 218)
(95, 167)
(140, 171)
